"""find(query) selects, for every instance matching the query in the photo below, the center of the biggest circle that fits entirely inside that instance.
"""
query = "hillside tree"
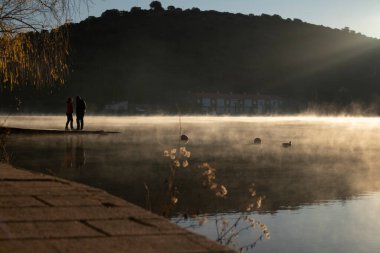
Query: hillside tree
(156, 6)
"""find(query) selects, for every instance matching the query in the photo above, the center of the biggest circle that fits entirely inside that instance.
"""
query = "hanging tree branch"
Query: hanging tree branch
(34, 41)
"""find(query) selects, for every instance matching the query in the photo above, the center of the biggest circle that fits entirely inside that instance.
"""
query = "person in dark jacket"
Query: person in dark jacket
(69, 113)
(80, 111)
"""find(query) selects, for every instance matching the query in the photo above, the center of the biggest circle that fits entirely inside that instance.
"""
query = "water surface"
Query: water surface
(319, 195)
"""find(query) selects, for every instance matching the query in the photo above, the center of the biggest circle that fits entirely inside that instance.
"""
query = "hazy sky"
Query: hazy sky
(360, 15)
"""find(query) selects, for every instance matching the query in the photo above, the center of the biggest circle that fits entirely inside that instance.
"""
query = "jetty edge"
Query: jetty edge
(41, 213)
(16, 130)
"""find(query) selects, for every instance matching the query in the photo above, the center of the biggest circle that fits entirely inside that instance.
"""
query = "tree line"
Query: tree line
(160, 56)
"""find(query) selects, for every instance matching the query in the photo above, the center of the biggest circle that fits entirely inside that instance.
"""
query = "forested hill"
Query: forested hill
(145, 56)
(154, 56)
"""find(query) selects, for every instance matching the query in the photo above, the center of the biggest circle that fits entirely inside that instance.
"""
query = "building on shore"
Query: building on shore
(117, 107)
(229, 103)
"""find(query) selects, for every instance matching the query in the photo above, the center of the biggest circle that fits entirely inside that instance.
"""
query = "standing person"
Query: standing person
(80, 110)
(69, 113)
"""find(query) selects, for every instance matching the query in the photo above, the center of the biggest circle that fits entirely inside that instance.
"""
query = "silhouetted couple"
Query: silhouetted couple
(80, 109)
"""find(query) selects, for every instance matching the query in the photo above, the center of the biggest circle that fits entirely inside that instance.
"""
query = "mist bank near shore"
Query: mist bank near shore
(54, 120)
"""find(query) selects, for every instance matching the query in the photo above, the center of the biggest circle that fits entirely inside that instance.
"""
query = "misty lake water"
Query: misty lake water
(320, 195)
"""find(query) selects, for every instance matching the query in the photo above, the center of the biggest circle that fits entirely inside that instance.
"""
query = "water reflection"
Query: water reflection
(332, 227)
(75, 155)
(227, 229)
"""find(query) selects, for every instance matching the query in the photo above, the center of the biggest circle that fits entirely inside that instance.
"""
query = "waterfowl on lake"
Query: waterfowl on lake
(184, 138)
(287, 144)
(257, 141)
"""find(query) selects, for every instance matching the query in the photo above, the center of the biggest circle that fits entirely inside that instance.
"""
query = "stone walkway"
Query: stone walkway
(40, 213)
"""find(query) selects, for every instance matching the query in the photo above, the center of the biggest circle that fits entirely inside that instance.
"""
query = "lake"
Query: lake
(321, 194)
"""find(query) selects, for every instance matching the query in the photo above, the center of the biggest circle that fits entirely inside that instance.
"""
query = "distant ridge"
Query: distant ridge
(159, 57)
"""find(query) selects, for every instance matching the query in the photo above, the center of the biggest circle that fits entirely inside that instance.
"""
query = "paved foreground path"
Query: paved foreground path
(40, 213)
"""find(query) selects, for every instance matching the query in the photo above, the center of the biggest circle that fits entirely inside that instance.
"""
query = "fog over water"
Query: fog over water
(322, 194)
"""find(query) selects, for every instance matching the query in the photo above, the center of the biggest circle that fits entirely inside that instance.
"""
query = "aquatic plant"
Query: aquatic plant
(178, 158)
(226, 231)
(210, 180)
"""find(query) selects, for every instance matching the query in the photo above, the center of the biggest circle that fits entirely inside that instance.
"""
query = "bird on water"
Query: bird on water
(257, 141)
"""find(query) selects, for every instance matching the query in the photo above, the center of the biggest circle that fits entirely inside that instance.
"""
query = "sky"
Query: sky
(362, 16)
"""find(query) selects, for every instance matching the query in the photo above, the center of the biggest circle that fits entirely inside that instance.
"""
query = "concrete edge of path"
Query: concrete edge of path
(42, 213)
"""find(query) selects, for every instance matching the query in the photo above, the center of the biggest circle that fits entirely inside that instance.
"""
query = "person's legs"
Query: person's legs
(82, 125)
(78, 122)
(67, 121)
(71, 122)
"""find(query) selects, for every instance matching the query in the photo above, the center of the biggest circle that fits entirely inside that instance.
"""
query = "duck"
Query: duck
(184, 138)
(257, 141)
(287, 144)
